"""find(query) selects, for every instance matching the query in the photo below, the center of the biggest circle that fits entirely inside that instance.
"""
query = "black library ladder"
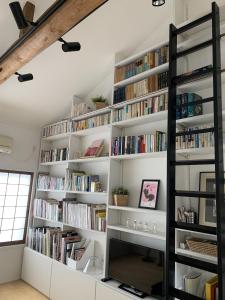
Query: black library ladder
(172, 258)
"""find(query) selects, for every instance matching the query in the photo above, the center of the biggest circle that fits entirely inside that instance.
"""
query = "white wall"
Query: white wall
(23, 158)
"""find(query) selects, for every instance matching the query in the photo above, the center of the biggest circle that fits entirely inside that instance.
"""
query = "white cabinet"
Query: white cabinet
(103, 292)
(36, 270)
(70, 284)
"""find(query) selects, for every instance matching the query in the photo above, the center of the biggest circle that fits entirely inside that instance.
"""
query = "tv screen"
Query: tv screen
(136, 266)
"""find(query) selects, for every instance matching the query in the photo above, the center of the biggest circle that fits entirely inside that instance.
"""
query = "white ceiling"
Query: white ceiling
(119, 25)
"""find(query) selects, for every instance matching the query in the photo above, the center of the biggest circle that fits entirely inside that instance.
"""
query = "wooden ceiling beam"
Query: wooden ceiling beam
(68, 15)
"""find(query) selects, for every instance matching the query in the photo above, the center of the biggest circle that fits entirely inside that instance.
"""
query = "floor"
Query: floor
(19, 290)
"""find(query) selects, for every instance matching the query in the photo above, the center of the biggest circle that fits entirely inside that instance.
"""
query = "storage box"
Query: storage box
(120, 200)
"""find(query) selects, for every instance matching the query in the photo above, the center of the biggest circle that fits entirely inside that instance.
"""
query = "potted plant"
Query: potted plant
(120, 196)
(99, 102)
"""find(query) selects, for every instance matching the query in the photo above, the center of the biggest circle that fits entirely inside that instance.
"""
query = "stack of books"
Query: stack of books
(142, 108)
(50, 209)
(141, 88)
(57, 128)
(96, 121)
(200, 140)
(82, 215)
(148, 61)
(79, 109)
(139, 144)
(186, 106)
(53, 155)
(95, 150)
(47, 182)
(81, 182)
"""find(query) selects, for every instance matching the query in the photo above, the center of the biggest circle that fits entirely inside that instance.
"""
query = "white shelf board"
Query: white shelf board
(69, 225)
(92, 114)
(142, 53)
(91, 131)
(88, 193)
(54, 163)
(140, 155)
(196, 151)
(138, 99)
(155, 117)
(197, 255)
(51, 191)
(89, 160)
(137, 232)
(138, 210)
(143, 75)
(56, 137)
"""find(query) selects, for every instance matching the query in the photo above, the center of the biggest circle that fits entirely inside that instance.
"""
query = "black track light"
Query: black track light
(24, 77)
(19, 16)
(158, 2)
(70, 47)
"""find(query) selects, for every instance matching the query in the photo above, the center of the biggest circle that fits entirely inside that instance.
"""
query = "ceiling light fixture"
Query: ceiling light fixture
(70, 47)
(24, 77)
(158, 2)
(19, 16)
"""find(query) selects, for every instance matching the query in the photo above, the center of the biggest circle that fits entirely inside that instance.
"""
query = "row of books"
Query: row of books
(53, 242)
(82, 215)
(148, 61)
(186, 107)
(199, 140)
(141, 88)
(79, 181)
(96, 121)
(79, 109)
(52, 155)
(57, 128)
(50, 209)
(48, 182)
(139, 144)
(142, 108)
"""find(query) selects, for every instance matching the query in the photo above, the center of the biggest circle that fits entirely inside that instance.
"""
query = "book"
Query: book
(210, 288)
(95, 149)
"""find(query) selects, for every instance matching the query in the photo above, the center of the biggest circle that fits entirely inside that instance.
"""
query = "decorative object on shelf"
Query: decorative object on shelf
(128, 223)
(186, 216)
(120, 196)
(203, 246)
(207, 206)
(192, 283)
(99, 102)
(135, 225)
(158, 2)
(149, 193)
(95, 150)
(94, 266)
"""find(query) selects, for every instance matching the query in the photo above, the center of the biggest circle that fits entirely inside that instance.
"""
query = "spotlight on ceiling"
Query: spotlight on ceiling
(24, 77)
(158, 2)
(70, 47)
(18, 15)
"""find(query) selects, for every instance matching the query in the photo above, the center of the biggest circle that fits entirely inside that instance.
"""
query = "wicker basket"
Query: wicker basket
(202, 246)
(100, 105)
(120, 200)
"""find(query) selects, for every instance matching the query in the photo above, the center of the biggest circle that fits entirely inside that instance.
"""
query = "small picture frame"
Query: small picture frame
(149, 193)
(207, 207)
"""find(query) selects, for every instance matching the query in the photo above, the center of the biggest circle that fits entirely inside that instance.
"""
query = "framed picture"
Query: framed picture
(149, 193)
(207, 207)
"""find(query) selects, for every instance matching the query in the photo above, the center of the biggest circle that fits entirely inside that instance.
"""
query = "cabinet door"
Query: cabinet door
(36, 270)
(103, 292)
(67, 284)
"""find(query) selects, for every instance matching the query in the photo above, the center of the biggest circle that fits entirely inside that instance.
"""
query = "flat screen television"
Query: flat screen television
(138, 267)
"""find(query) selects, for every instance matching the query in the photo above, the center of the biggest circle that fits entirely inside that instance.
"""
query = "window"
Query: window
(15, 193)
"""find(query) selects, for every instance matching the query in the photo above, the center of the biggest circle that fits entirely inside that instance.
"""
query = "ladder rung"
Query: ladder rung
(194, 263)
(179, 294)
(193, 24)
(194, 49)
(195, 131)
(193, 162)
(195, 76)
(200, 101)
(195, 194)
(195, 227)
